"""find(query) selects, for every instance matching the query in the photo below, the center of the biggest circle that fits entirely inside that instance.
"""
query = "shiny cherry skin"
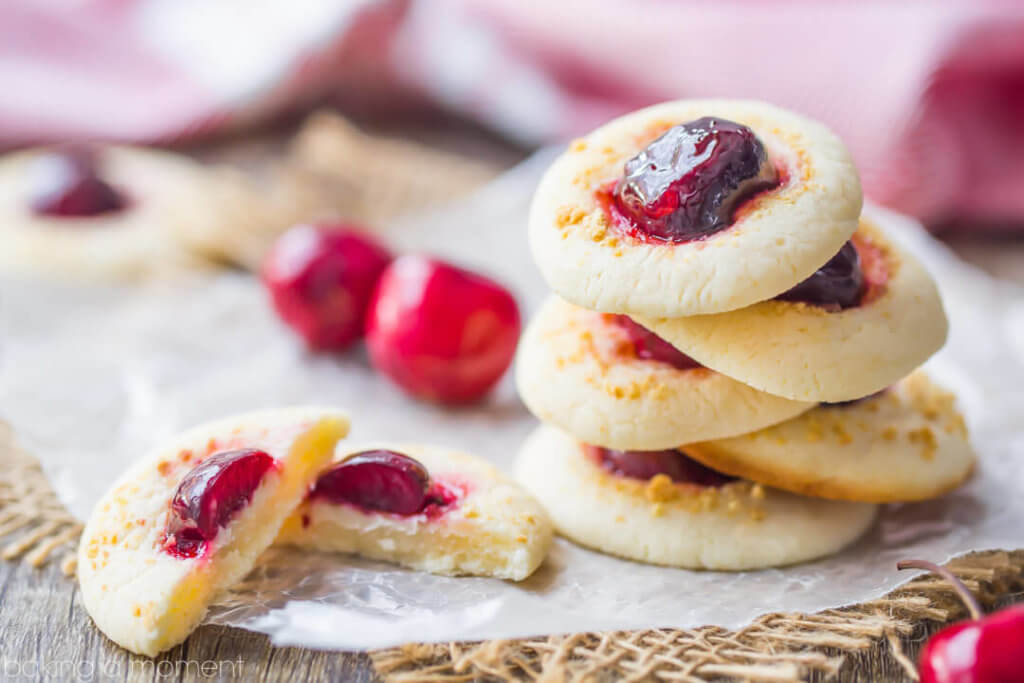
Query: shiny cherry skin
(985, 649)
(836, 285)
(990, 650)
(646, 464)
(649, 346)
(210, 495)
(380, 480)
(440, 332)
(67, 184)
(321, 278)
(687, 183)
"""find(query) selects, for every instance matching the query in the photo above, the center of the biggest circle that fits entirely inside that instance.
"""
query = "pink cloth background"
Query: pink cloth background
(929, 95)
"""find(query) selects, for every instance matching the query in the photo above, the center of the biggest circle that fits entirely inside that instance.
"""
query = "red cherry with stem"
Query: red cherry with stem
(440, 332)
(982, 650)
(210, 495)
(321, 278)
(377, 480)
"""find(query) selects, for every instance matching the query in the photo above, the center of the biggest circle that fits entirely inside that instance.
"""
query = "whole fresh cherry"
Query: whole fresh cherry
(686, 184)
(649, 346)
(210, 495)
(382, 480)
(440, 332)
(982, 650)
(66, 184)
(321, 277)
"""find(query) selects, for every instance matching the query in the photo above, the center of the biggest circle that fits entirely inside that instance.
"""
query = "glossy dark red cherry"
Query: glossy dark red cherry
(838, 284)
(649, 346)
(321, 278)
(646, 464)
(377, 480)
(440, 332)
(981, 650)
(66, 184)
(686, 184)
(211, 495)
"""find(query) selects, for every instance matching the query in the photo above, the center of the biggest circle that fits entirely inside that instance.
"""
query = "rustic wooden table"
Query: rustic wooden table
(45, 633)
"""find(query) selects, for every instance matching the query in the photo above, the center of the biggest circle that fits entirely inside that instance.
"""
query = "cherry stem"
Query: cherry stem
(973, 606)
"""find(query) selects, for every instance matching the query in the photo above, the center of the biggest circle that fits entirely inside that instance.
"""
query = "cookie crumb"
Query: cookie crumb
(569, 215)
(926, 437)
(660, 489)
(841, 434)
(814, 433)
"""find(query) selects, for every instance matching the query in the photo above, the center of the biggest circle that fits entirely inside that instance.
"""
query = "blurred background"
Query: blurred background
(928, 95)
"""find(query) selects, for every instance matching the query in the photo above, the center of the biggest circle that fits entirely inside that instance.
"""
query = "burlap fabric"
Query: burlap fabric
(35, 528)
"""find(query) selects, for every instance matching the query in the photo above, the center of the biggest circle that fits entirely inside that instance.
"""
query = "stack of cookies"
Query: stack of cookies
(727, 375)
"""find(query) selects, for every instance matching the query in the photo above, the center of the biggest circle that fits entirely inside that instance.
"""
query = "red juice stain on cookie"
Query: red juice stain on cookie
(384, 481)
(210, 495)
(646, 464)
(66, 184)
(649, 346)
(688, 183)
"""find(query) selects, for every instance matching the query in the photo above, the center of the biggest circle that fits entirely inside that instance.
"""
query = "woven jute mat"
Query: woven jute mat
(332, 165)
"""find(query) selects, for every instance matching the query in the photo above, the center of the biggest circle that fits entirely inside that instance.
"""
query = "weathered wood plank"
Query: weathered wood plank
(45, 634)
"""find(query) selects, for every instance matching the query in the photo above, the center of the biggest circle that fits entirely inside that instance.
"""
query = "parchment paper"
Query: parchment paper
(92, 377)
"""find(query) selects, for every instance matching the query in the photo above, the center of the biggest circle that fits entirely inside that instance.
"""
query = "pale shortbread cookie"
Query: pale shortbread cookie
(906, 444)
(739, 526)
(806, 353)
(779, 237)
(167, 193)
(577, 369)
(148, 600)
(494, 527)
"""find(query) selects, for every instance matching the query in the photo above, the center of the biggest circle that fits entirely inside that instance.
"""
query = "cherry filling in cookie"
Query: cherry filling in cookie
(687, 184)
(67, 184)
(384, 481)
(649, 346)
(853, 276)
(647, 464)
(210, 496)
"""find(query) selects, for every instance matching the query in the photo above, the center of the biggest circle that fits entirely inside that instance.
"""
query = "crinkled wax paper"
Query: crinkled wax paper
(93, 377)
